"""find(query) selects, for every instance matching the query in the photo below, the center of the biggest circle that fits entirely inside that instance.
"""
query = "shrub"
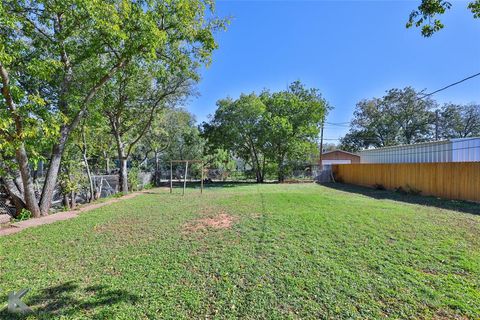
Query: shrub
(134, 179)
(149, 186)
(23, 215)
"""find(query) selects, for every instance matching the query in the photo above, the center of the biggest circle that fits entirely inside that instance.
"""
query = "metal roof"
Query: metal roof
(421, 144)
(338, 150)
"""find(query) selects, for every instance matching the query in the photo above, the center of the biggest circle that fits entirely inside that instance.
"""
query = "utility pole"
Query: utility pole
(321, 144)
(436, 125)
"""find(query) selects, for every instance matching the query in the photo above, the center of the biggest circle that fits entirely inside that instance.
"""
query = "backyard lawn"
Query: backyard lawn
(250, 251)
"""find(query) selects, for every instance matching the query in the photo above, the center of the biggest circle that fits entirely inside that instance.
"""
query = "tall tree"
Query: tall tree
(271, 129)
(131, 103)
(459, 121)
(173, 135)
(293, 118)
(239, 126)
(55, 56)
(372, 125)
(412, 114)
(402, 116)
(184, 140)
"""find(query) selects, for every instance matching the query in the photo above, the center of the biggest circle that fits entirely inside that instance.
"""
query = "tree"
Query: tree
(293, 118)
(222, 163)
(271, 129)
(239, 126)
(184, 140)
(459, 121)
(91, 141)
(132, 101)
(56, 56)
(329, 147)
(412, 113)
(424, 16)
(400, 117)
(172, 136)
(373, 125)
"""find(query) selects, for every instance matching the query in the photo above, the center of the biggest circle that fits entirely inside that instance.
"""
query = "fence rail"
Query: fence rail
(450, 180)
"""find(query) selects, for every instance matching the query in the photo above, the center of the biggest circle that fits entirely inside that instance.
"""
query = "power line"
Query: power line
(450, 85)
(340, 124)
(347, 124)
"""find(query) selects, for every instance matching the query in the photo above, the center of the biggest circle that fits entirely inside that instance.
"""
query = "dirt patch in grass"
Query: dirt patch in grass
(125, 230)
(124, 225)
(430, 271)
(444, 315)
(220, 221)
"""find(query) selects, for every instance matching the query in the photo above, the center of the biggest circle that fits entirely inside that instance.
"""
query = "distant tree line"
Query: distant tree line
(405, 116)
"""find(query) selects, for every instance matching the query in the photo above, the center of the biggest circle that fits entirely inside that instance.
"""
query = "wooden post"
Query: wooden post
(201, 182)
(171, 176)
(185, 178)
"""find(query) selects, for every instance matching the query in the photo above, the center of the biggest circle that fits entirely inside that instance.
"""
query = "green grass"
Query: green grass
(294, 251)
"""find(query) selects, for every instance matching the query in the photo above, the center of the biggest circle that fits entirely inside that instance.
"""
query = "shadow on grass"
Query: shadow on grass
(69, 299)
(455, 205)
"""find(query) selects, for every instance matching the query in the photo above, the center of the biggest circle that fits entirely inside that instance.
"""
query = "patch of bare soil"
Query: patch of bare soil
(120, 225)
(444, 315)
(221, 221)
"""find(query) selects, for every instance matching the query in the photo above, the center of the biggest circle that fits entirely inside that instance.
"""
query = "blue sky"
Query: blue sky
(350, 50)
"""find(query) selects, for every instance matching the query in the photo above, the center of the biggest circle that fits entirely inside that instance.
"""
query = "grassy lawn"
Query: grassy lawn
(292, 251)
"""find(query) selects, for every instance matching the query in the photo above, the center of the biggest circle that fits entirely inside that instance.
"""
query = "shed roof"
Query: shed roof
(342, 151)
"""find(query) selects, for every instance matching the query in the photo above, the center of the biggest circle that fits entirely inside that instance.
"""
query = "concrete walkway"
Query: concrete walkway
(60, 216)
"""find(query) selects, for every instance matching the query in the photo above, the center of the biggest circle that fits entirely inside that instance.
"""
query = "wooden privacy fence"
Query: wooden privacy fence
(450, 180)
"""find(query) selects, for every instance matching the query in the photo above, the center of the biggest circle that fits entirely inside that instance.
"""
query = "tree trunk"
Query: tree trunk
(259, 175)
(256, 167)
(157, 177)
(65, 201)
(51, 178)
(107, 163)
(28, 190)
(123, 175)
(14, 194)
(20, 153)
(53, 169)
(90, 179)
(281, 172)
(83, 149)
(73, 200)
(122, 157)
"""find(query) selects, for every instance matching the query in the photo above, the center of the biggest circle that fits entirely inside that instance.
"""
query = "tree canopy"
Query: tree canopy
(404, 116)
(57, 56)
(270, 129)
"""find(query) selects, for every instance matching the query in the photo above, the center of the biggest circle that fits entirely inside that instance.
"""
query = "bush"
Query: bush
(134, 179)
(23, 215)
(148, 186)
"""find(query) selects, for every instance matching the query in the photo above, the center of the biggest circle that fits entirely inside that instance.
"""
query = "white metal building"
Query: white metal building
(453, 150)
